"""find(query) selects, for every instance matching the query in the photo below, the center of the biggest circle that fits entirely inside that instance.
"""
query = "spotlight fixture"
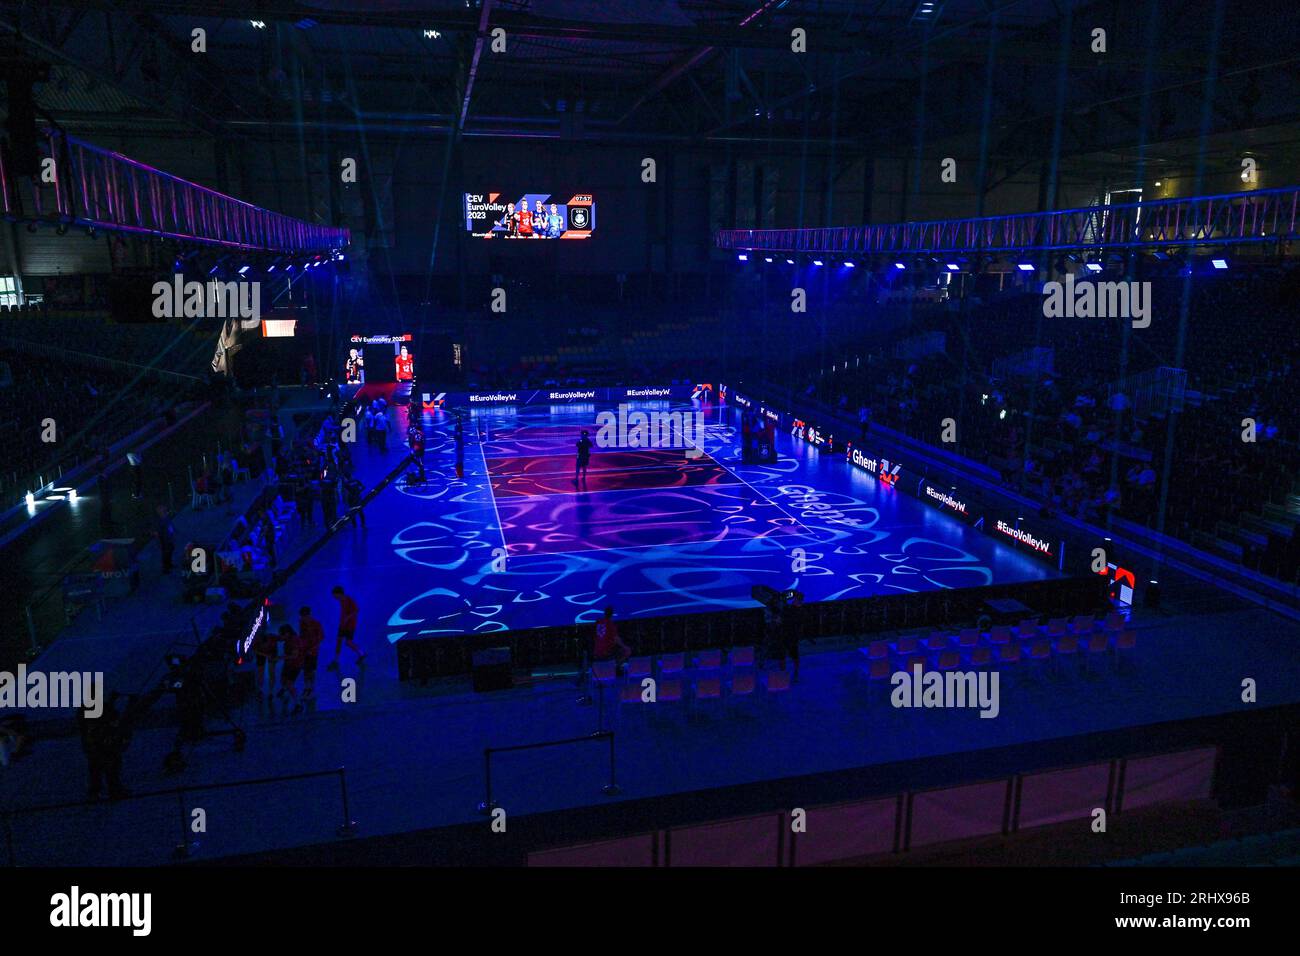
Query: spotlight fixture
(1025, 267)
(899, 265)
(1094, 266)
(767, 258)
(742, 258)
(257, 24)
(431, 34)
(817, 262)
(789, 262)
(1219, 263)
(849, 264)
(953, 267)
(243, 270)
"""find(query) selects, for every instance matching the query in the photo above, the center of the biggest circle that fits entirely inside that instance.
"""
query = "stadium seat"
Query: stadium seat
(708, 688)
(1039, 650)
(1067, 645)
(1097, 644)
(1083, 624)
(742, 683)
(949, 660)
(1027, 628)
(981, 656)
(672, 663)
(879, 670)
(778, 681)
(1000, 634)
(604, 672)
(906, 646)
(936, 642)
(639, 667)
(708, 660)
(742, 656)
(1058, 626)
(968, 637)
(876, 651)
(669, 691)
(1114, 622)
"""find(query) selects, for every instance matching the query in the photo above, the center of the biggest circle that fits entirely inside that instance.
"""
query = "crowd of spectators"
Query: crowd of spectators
(1064, 432)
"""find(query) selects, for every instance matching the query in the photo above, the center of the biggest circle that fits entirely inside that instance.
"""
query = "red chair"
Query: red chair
(1125, 645)
(981, 656)
(936, 642)
(672, 663)
(968, 637)
(639, 667)
(742, 683)
(630, 693)
(1040, 650)
(878, 651)
(1083, 624)
(879, 670)
(1057, 626)
(778, 681)
(949, 660)
(1114, 623)
(1001, 634)
(1009, 653)
(669, 690)
(708, 660)
(708, 688)
(742, 656)
(1067, 646)
(1097, 644)
(1027, 628)
(906, 646)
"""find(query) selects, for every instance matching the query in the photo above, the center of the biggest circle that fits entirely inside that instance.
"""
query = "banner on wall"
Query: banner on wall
(1037, 541)
(571, 396)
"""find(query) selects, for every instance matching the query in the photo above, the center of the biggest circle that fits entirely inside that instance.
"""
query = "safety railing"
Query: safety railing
(489, 804)
(187, 846)
(1264, 215)
(97, 187)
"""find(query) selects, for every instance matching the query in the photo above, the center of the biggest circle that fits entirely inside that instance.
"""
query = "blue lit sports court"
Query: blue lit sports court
(516, 544)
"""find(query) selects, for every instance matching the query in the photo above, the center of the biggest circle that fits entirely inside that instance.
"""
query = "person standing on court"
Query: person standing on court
(460, 448)
(584, 457)
(348, 611)
(312, 634)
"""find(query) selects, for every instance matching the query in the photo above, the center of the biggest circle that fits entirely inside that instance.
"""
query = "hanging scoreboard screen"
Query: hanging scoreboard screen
(529, 216)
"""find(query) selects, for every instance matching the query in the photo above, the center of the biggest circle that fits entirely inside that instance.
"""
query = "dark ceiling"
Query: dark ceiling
(880, 76)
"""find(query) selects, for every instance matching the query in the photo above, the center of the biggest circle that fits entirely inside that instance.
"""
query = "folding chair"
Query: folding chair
(742, 656)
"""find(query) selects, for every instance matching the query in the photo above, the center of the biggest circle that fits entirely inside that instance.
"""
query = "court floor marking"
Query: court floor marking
(678, 544)
(630, 491)
(492, 494)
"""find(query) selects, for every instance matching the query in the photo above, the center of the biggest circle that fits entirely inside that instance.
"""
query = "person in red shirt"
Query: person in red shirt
(608, 644)
(294, 650)
(312, 634)
(348, 611)
(264, 657)
(405, 366)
